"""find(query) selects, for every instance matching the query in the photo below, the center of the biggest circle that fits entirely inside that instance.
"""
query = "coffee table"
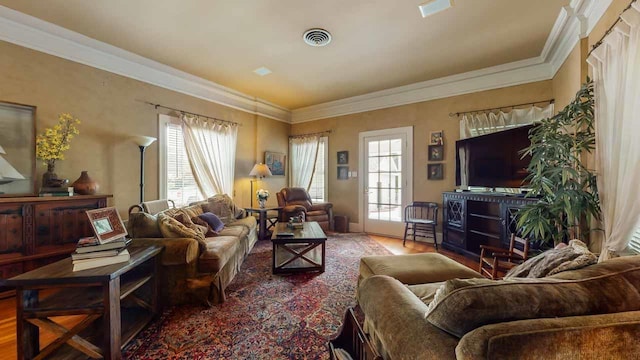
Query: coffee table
(302, 252)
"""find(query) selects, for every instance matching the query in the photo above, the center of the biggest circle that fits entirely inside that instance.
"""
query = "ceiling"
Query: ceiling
(377, 44)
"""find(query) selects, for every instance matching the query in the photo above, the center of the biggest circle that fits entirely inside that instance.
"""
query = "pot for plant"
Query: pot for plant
(85, 185)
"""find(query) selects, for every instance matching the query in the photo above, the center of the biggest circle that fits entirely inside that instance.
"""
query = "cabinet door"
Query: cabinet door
(61, 223)
(11, 244)
(454, 211)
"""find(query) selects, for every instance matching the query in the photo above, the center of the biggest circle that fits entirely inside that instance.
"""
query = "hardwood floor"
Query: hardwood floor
(8, 306)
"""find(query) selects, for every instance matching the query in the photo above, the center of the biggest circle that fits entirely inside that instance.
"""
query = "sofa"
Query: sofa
(197, 263)
(296, 201)
(588, 313)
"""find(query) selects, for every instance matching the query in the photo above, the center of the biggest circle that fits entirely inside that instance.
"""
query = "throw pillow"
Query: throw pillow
(220, 206)
(214, 221)
(143, 225)
(184, 219)
(198, 221)
(172, 228)
(574, 256)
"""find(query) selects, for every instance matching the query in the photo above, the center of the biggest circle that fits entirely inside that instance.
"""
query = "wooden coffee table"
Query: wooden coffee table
(302, 252)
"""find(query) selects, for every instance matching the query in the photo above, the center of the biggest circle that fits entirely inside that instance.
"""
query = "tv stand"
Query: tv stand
(474, 219)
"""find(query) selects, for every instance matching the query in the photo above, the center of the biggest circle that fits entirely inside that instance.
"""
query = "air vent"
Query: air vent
(317, 37)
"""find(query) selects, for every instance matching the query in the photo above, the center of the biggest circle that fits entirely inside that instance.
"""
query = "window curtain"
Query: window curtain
(485, 123)
(211, 149)
(304, 152)
(616, 73)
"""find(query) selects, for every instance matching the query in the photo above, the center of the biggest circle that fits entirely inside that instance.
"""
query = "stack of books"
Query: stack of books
(90, 253)
(56, 191)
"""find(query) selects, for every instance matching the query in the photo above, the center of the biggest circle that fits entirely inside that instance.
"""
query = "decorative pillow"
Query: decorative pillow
(219, 205)
(143, 225)
(198, 221)
(172, 228)
(216, 223)
(186, 221)
(574, 256)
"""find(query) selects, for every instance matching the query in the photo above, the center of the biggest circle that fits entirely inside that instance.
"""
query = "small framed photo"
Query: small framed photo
(276, 162)
(436, 152)
(343, 157)
(343, 172)
(435, 171)
(436, 138)
(106, 224)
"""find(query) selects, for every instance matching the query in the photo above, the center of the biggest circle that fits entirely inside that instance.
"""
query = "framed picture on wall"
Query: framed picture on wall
(435, 171)
(276, 162)
(436, 138)
(343, 157)
(436, 152)
(17, 149)
(343, 172)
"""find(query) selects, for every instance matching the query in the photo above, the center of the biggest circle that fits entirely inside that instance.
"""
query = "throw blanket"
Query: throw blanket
(574, 256)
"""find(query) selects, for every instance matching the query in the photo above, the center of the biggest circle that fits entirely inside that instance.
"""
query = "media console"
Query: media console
(473, 219)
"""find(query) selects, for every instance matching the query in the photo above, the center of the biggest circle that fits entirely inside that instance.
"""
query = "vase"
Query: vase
(50, 178)
(262, 203)
(85, 185)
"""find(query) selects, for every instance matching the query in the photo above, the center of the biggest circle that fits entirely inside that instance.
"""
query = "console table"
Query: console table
(117, 301)
(263, 218)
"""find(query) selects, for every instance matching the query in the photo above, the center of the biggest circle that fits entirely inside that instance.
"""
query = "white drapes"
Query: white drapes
(485, 123)
(616, 72)
(211, 149)
(304, 152)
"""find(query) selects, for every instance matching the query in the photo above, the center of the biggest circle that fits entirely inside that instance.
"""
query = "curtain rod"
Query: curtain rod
(309, 134)
(599, 42)
(550, 101)
(190, 113)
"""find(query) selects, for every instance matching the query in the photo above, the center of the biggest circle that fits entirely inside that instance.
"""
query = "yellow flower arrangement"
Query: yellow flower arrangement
(51, 145)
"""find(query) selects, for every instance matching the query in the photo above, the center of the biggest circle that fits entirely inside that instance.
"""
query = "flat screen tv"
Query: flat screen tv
(493, 160)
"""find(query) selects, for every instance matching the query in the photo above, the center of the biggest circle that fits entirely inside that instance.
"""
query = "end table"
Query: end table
(263, 218)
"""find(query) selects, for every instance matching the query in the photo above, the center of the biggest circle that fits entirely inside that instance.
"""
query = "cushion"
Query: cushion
(143, 225)
(463, 305)
(172, 228)
(217, 252)
(221, 206)
(574, 256)
(213, 220)
(186, 221)
(210, 232)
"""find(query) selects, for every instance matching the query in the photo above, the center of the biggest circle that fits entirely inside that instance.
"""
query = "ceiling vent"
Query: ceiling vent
(317, 37)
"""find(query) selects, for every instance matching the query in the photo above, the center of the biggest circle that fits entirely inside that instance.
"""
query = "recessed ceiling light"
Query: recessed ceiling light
(434, 6)
(262, 71)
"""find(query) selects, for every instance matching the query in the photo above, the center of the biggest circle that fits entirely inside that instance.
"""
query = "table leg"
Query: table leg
(112, 337)
(28, 335)
(262, 219)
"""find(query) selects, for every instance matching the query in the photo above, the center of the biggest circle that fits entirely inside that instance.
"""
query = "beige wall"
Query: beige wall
(424, 117)
(111, 109)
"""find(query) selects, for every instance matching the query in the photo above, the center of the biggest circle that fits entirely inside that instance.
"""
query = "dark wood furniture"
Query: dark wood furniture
(118, 301)
(352, 339)
(474, 219)
(266, 221)
(35, 231)
(421, 219)
(297, 201)
(304, 251)
(495, 262)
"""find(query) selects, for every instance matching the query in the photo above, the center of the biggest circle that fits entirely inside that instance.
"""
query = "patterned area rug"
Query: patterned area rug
(265, 316)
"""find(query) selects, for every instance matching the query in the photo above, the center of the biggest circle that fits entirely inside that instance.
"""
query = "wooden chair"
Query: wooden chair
(420, 219)
(496, 261)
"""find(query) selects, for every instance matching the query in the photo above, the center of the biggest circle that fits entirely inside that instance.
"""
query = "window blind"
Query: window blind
(634, 244)
(318, 188)
(181, 186)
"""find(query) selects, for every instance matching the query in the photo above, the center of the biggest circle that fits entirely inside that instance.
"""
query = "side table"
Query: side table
(263, 218)
(98, 294)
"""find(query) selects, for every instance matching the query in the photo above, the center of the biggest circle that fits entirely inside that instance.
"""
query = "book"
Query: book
(91, 244)
(56, 191)
(95, 254)
(86, 264)
(285, 234)
(55, 194)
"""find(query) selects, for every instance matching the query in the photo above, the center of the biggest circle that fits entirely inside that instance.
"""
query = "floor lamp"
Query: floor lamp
(260, 170)
(142, 142)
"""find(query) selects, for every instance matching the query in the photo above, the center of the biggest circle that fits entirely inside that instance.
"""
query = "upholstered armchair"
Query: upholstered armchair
(296, 201)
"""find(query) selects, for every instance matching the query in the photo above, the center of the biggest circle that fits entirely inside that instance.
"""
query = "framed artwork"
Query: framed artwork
(343, 172)
(343, 157)
(436, 138)
(436, 152)
(106, 224)
(276, 162)
(435, 171)
(17, 149)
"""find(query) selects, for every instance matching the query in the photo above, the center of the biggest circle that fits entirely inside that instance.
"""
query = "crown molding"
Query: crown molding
(30, 32)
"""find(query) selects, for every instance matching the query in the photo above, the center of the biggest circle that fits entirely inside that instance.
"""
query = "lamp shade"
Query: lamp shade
(260, 170)
(143, 140)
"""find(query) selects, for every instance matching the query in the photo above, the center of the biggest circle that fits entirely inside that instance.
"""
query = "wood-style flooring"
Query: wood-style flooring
(8, 306)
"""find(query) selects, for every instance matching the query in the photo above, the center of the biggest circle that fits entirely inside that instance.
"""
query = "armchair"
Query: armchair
(296, 201)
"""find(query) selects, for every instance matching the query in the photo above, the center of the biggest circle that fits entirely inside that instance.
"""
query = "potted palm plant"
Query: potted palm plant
(558, 175)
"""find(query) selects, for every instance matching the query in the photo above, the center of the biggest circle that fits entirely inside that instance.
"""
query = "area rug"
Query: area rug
(265, 316)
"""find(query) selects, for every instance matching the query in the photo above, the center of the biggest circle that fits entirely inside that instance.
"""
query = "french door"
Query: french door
(386, 182)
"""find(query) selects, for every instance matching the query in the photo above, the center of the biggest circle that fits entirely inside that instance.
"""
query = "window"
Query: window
(634, 244)
(176, 180)
(318, 188)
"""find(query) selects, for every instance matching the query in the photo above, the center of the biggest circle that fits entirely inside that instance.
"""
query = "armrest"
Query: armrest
(495, 250)
(321, 206)
(294, 209)
(571, 337)
(177, 251)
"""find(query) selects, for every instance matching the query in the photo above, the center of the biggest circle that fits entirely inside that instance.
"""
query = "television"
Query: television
(494, 160)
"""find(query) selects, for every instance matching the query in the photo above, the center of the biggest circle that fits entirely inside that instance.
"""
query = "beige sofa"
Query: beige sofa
(196, 268)
(589, 313)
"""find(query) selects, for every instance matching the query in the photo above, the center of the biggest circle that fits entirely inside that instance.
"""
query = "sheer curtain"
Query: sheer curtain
(211, 149)
(304, 151)
(616, 72)
(485, 123)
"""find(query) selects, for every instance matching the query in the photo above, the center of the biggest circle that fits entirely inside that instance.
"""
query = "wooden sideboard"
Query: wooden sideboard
(474, 219)
(35, 231)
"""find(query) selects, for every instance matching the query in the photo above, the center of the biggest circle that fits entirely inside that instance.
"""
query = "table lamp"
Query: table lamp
(142, 142)
(260, 171)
